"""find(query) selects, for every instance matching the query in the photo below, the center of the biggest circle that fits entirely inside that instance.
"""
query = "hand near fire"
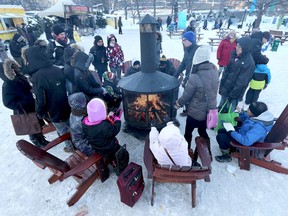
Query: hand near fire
(176, 105)
(117, 114)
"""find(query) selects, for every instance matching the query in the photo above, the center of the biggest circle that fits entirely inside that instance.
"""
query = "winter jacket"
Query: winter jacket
(55, 51)
(224, 51)
(15, 45)
(132, 70)
(68, 68)
(201, 91)
(173, 141)
(238, 73)
(115, 55)
(169, 69)
(100, 58)
(253, 129)
(83, 78)
(255, 48)
(48, 86)
(78, 104)
(102, 136)
(16, 90)
(186, 63)
(261, 77)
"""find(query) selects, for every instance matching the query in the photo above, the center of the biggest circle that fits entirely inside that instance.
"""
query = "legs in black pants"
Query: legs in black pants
(223, 138)
(252, 95)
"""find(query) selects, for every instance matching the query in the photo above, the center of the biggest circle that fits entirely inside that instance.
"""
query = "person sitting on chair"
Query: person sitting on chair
(257, 122)
(135, 67)
(169, 146)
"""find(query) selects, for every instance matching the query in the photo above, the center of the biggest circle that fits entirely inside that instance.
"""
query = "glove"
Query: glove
(153, 123)
(177, 105)
(104, 90)
(117, 115)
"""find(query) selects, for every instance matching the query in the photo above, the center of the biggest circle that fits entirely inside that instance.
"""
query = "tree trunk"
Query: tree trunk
(138, 11)
(154, 8)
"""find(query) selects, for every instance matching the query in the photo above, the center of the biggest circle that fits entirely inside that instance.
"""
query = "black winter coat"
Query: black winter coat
(55, 52)
(16, 93)
(102, 136)
(68, 68)
(100, 58)
(15, 47)
(169, 69)
(84, 80)
(238, 73)
(255, 48)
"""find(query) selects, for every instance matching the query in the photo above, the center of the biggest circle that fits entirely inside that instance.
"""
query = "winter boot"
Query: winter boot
(225, 157)
(69, 146)
(38, 140)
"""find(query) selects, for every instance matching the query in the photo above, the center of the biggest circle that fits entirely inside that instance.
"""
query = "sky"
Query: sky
(25, 190)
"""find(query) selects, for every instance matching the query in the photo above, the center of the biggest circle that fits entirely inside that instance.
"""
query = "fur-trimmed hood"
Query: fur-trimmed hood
(9, 70)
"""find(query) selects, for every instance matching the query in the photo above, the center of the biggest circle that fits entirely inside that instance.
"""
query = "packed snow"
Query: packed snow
(25, 190)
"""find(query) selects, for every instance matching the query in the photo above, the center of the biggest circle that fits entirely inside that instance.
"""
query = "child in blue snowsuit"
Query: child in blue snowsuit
(257, 122)
(261, 78)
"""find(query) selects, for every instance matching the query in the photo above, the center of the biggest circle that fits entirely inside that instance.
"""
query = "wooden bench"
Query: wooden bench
(85, 170)
(280, 35)
(177, 174)
(214, 42)
(175, 33)
(258, 153)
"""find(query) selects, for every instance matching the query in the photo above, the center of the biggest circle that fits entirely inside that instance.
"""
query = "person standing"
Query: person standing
(17, 95)
(168, 21)
(158, 47)
(257, 40)
(115, 55)
(3, 51)
(238, 74)
(15, 46)
(120, 24)
(200, 94)
(227, 45)
(191, 26)
(98, 51)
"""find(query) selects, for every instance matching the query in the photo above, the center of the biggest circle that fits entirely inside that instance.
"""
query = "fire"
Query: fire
(153, 102)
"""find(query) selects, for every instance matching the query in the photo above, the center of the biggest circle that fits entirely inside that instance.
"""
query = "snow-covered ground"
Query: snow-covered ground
(25, 190)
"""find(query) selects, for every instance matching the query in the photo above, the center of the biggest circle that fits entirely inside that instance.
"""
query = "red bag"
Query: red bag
(131, 184)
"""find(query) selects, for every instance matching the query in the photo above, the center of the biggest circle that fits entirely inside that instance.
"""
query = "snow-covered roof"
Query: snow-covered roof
(57, 9)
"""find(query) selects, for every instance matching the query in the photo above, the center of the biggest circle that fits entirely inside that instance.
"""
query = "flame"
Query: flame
(142, 102)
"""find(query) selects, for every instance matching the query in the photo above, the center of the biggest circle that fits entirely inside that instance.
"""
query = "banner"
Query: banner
(182, 16)
(70, 10)
(252, 8)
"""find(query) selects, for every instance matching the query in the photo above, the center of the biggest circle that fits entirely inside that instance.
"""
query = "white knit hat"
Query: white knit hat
(202, 54)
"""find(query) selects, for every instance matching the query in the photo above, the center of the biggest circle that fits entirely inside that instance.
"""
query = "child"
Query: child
(257, 122)
(261, 78)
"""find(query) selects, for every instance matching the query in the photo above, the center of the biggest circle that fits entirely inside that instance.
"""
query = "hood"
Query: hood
(9, 70)
(82, 61)
(244, 42)
(77, 101)
(37, 58)
(257, 35)
(266, 118)
(109, 38)
(96, 110)
(170, 137)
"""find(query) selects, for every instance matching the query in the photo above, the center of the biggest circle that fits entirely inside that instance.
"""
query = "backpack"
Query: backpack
(121, 160)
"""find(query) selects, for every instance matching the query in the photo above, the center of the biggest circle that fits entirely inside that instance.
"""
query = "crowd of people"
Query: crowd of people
(86, 103)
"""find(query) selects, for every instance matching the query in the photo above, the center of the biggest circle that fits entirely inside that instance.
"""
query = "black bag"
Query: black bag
(121, 160)
(25, 124)
(131, 184)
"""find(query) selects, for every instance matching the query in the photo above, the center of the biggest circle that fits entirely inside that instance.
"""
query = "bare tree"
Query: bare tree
(262, 7)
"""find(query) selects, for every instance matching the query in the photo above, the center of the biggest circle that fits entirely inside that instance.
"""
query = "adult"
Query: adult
(158, 47)
(159, 24)
(48, 83)
(166, 66)
(229, 22)
(135, 67)
(256, 123)
(120, 24)
(98, 51)
(115, 55)
(259, 38)
(191, 26)
(169, 142)
(205, 24)
(200, 94)
(168, 21)
(15, 46)
(78, 103)
(190, 46)
(56, 46)
(3, 51)
(17, 95)
(83, 78)
(31, 37)
(238, 74)
(226, 46)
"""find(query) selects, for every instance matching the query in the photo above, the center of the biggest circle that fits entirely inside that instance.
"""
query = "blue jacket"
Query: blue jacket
(261, 77)
(254, 129)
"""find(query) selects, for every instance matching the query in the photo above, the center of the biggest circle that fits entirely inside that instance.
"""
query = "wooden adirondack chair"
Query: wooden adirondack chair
(126, 66)
(177, 174)
(176, 63)
(274, 140)
(85, 170)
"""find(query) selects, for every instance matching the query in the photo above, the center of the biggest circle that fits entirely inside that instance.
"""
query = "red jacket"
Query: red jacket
(224, 51)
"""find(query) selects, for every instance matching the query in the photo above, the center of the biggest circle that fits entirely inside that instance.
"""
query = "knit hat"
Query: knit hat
(96, 110)
(266, 35)
(57, 29)
(257, 108)
(109, 76)
(163, 60)
(202, 54)
(97, 38)
(189, 35)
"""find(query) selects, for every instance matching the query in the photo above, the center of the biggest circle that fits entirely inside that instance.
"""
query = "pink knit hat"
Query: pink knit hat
(96, 110)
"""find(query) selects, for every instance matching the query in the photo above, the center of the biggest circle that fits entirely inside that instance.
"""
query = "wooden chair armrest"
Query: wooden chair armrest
(148, 158)
(203, 151)
(260, 145)
(57, 141)
(82, 166)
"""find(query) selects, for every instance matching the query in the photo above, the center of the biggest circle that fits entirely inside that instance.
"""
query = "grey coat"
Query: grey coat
(201, 91)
